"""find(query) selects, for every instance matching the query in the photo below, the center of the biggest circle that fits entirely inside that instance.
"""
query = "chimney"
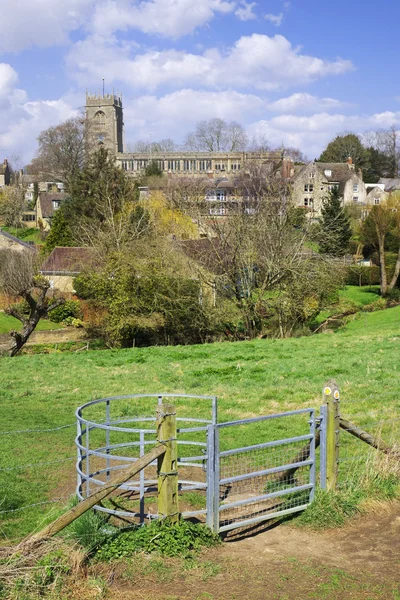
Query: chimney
(210, 174)
(287, 170)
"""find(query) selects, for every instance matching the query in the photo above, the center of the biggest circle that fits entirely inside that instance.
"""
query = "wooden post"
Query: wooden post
(331, 399)
(167, 468)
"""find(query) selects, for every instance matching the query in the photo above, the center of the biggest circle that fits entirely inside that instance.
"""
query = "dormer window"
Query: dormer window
(328, 173)
(56, 204)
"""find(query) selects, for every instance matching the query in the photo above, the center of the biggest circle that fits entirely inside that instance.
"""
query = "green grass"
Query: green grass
(8, 323)
(27, 234)
(360, 295)
(250, 379)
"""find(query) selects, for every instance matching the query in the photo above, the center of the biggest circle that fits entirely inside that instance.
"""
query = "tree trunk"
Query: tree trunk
(21, 338)
(396, 273)
(382, 264)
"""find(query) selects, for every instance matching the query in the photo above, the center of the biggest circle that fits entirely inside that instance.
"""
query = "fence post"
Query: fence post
(322, 448)
(167, 469)
(331, 400)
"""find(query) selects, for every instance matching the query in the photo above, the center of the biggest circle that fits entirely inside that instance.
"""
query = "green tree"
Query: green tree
(335, 226)
(153, 169)
(344, 146)
(103, 209)
(60, 233)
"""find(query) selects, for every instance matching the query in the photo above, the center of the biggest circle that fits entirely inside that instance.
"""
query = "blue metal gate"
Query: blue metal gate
(255, 482)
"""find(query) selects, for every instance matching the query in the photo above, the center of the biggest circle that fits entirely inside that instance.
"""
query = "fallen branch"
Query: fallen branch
(78, 510)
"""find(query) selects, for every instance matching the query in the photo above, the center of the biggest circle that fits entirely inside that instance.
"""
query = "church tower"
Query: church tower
(104, 122)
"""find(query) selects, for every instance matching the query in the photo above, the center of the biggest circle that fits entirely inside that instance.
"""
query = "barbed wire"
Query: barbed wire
(12, 510)
(37, 430)
(53, 462)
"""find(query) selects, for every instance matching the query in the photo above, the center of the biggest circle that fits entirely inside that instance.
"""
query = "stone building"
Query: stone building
(313, 182)
(105, 126)
(5, 174)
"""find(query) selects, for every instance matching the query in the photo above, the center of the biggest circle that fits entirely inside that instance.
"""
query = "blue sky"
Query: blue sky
(291, 71)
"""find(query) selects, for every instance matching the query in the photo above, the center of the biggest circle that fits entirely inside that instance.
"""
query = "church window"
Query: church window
(100, 118)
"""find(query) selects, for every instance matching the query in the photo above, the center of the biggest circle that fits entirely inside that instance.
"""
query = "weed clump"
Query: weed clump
(162, 536)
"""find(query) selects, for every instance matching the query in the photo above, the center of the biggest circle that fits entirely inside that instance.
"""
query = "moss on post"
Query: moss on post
(167, 467)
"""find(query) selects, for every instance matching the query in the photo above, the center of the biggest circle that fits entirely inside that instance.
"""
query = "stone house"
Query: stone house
(313, 182)
(376, 195)
(5, 174)
(63, 264)
(46, 206)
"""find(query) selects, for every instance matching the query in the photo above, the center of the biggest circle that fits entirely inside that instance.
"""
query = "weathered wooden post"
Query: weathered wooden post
(167, 467)
(331, 399)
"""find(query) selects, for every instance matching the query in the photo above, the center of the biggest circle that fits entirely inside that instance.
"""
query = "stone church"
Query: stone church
(105, 126)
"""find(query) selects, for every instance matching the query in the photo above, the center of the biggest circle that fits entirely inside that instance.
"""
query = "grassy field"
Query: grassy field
(249, 378)
(8, 323)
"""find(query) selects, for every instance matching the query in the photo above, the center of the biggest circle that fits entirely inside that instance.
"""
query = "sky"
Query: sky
(296, 72)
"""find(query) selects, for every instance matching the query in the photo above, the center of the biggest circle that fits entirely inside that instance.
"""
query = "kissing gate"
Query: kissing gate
(231, 474)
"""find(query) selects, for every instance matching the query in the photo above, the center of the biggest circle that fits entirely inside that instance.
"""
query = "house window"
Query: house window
(332, 187)
(56, 204)
(308, 202)
(220, 166)
(328, 173)
(312, 175)
(355, 198)
(28, 217)
(355, 187)
(218, 211)
(221, 195)
(376, 200)
(235, 166)
(308, 187)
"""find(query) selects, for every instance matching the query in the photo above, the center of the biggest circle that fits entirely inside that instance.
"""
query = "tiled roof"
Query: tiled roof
(68, 261)
(46, 203)
(339, 171)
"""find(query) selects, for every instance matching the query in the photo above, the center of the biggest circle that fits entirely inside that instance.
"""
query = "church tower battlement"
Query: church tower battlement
(105, 122)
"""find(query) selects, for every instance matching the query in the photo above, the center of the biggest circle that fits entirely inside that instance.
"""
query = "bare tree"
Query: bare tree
(217, 135)
(258, 257)
(157, 147)
(19, 277)
(12, 205)
(62, 150)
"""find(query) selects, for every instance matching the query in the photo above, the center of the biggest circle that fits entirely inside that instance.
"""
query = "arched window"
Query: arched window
(100, 118)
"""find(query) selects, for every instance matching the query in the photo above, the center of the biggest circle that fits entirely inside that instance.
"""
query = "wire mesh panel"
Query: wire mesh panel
(257, 482)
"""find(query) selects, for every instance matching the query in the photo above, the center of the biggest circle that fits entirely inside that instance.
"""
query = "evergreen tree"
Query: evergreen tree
(153, 169)
(60, 233)
(335, 226)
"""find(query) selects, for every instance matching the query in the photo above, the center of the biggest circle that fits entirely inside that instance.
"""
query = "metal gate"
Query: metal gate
(248, 483)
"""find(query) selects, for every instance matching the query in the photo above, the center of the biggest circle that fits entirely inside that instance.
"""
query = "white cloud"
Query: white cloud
(256, 61)
(168, 18)
(304, 102)
(47, 23)
(245, 11)
(312, 133)
(173, 115)
(22, 120)
(274, 19)
(42, 23)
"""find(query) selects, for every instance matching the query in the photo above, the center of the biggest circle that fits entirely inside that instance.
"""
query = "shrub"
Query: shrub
(159, 536)
(71, 308)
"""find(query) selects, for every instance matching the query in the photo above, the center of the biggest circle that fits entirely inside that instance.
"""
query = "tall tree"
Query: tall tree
(60, 233)
(343, 147)
(217, 135)
(19, 277)
(102, 209)
(382, 221)
(335, 226)
(12, 205)
(61, 152)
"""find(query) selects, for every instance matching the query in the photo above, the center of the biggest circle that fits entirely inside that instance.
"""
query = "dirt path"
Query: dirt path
(361, 561)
